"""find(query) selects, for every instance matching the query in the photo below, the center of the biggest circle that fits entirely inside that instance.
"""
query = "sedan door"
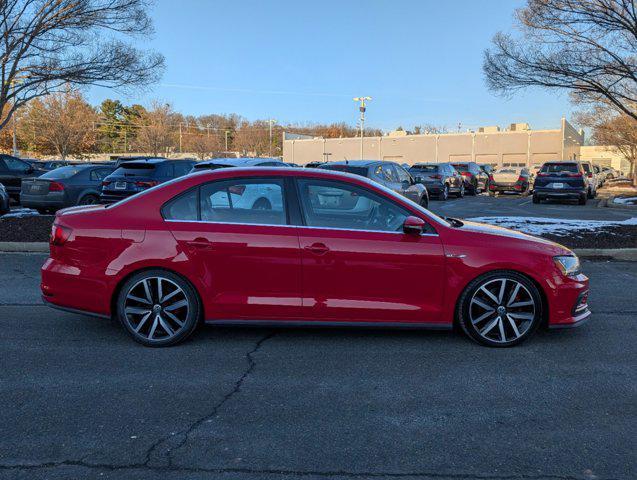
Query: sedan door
(247, 256)
(358, 265)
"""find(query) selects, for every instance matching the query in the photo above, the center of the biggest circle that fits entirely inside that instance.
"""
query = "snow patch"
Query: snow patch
(625, 200)
(556, 226)
(21, 212)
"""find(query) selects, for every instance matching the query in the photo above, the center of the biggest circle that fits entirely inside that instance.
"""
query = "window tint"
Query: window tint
(329, 204)
(560, 167)
(100, 174)
(362, 171)
(16, 165)
(182, 168)
(244, 201)
(183, 207)
(403, 176)
(424, 168)
(165, 170)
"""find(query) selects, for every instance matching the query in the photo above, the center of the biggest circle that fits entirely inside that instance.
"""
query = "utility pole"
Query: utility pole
(227, 132)
(271, 121)
(179, 137)
(362, 107)
(14, 122)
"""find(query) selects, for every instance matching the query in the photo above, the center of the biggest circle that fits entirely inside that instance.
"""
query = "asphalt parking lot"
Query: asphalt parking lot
(79, 399)
(523, 206)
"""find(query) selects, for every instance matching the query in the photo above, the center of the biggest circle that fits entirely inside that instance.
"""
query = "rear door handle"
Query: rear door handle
(317, 248)
(199, 243)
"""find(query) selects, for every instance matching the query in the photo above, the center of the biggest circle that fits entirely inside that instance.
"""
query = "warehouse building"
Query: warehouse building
(517, 145)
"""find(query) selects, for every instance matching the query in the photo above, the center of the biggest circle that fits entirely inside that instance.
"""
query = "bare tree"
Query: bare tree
(586, 47)
(156, 129)
(61, 123)
(204, 144)
(618, 131)
(48, 44)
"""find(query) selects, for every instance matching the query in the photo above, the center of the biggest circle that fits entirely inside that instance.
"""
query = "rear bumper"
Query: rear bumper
(434, 188)
(508, 187)
(559, 193)
(39, 201)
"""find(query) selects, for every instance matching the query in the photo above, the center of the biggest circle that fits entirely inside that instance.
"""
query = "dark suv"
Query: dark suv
(561, 180)
(13, 170)
(476, 179)
(389, 174)
(137, 175)
(441, 179)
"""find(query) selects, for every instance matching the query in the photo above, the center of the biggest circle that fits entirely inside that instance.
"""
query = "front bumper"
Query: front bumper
(568, 301)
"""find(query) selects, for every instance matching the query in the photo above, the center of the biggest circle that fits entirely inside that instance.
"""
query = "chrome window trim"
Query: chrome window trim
(296, 226)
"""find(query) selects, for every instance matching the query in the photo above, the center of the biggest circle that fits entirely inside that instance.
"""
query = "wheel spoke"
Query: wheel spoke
(503, 336)
(176, 305)
(489, 327)
(514, 294)
(513, 326)
(166, 327)
(503, 285)
(522, 304)
(480, 303)
(489, 294)
(159, 291)
(147, 290)
(130, 296)
(169, 296)
(482, 317)
(136, 310)
(521, 316)
(153, 328)
(142, 321)
(174, 318)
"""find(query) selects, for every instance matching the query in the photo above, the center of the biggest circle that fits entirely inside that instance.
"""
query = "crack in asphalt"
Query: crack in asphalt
(184, 435)
(303, 473)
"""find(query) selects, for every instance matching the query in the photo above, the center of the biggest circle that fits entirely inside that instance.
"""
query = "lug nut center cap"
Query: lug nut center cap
(501, 310)
(156, 309)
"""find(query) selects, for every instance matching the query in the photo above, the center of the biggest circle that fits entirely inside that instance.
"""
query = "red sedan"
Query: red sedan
(265, 246)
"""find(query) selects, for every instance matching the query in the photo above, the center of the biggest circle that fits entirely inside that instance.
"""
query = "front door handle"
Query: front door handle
(317, 248)
(200, 243)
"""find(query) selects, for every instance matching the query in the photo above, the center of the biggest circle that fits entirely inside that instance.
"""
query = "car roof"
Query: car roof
(360, 163)
(241, 161)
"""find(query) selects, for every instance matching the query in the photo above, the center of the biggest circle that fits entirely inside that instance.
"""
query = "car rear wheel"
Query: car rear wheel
(500, 309)
(473, 189)
(582, 199)
(536, 198)
(158, 308)
(89, 200)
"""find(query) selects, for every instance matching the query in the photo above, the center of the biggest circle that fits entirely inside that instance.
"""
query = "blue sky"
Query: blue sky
(299, 61)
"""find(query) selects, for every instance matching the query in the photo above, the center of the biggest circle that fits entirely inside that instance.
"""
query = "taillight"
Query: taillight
(465, 174)
(56, 187)
(572, 175)
(146, 184)
(437, 177)
(106, 183)
(491, 178)
(59, 235)
(521, 179)
(590, 175)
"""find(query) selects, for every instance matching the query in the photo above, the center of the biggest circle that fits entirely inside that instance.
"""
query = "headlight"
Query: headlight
(568, 264)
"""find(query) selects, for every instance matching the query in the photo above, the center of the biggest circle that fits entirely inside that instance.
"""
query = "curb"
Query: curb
(629, 254)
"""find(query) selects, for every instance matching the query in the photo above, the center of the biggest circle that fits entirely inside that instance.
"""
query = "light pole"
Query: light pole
(362, 108)
(271, 121)
(14, 119)
(227, 132)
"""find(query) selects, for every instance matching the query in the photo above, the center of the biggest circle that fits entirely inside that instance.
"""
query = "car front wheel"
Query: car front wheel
(444, 195)
(158, 308)
(500, 309)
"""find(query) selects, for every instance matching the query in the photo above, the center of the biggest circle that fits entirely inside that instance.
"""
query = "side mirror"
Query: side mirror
(413, 225)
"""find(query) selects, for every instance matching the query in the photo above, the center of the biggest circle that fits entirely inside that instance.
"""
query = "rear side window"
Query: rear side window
(248, 201)
(560, 167)
(183, 207)
(100, 174)
(62, 172)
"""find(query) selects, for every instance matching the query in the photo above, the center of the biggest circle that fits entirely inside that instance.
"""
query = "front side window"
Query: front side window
(403, 176)
(244, 201)
(329, 204)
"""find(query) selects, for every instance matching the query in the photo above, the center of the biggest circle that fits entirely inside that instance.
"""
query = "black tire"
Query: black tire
(89, 199)
(262, 204)
(444, 195)
(424, 202)
(138, 332)
(460, 193)
(473, 189)
(536, 198)
(524, 330)
(582, 199)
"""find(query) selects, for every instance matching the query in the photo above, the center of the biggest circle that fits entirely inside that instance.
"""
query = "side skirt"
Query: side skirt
(321, 324)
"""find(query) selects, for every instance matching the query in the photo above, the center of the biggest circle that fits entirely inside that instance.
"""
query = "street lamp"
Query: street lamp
(362, 107)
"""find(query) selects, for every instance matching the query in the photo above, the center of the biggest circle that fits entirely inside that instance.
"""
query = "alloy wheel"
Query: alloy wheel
(156, 308)
(502, 310)
(445, 193)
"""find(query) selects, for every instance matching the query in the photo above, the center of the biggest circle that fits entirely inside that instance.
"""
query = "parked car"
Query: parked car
(601, 176)
(510, 179)
(49, 165)
(357, 254)
(592, 178)
(215, 163)
(476, 180)
(135, 176)
(120, 160)
(12, 171)
(610, 172)
(389, 174)
(65, 187)
(441, 179)
(486, 168)
(4, 200)
(314, 164)
(563, 180)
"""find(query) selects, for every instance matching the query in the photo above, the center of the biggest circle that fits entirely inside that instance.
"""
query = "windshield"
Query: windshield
(62, 172)
(424, 168)
(560, 167)
(210, 166)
